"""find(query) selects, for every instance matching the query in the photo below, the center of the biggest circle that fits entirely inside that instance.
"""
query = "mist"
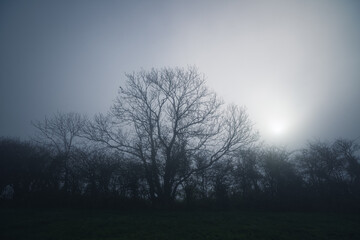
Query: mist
(293, 64)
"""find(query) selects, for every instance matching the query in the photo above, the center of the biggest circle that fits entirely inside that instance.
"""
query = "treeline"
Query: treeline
(321, 176)
(169, 140)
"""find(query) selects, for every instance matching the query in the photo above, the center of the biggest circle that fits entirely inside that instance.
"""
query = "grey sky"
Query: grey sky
(295, 64)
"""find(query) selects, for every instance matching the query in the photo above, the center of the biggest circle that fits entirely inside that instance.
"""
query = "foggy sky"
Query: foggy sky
(294, 62)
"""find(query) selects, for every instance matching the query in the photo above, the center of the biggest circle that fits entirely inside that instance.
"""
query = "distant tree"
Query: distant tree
(130, 181)
(280, 180)
(321, 166)
(59, 131)
(348, 153)
(167, 118)
(326, 173)
(59, 134)
(222, 181)
(247, 174)
(24, 168)
(94, 171)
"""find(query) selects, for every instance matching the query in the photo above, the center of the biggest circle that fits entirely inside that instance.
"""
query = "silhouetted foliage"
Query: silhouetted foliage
(247, 176)
(24, 170)
(320, 176)
(329, 180)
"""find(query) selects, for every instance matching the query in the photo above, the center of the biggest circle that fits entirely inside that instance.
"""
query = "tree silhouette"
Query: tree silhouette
(166, 119)
(59, 134)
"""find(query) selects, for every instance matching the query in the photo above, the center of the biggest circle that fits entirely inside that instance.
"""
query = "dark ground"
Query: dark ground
(65, 223)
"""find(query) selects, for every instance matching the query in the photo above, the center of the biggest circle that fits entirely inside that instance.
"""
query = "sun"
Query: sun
(277, 127)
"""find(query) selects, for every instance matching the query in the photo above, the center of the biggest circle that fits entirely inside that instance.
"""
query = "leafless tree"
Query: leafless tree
(59, 133)
(167, 119)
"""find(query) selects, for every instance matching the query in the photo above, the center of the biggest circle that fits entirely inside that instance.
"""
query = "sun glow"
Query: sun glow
(278, 127)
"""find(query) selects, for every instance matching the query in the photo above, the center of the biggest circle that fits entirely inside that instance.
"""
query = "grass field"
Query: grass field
(107, 224)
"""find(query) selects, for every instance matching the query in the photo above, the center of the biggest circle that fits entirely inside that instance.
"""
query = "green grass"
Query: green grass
(107, 224)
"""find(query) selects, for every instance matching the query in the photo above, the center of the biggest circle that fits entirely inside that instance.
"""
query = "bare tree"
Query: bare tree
(59, 133)
(167, 119)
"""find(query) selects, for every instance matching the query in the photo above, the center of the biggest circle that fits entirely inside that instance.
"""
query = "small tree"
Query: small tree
(166, 119)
